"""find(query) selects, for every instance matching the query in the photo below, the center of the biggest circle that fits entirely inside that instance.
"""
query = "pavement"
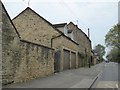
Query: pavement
(74, 78)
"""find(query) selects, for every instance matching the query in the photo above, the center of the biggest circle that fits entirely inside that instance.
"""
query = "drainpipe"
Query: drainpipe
(55, 38)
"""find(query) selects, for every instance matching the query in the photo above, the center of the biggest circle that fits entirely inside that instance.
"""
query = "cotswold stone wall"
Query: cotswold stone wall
(36, 61)
(65, 43)
(34, 28)
(29, 62)
(10, 49)
(22, 60)
(84, 43)
(81, 38)
(0, 46)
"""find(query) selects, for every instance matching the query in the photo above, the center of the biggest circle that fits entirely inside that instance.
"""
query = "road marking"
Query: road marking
(107, 84)
(117, 85)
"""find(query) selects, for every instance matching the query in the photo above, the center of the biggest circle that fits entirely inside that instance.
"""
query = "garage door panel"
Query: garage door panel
(66, 60)
(73, 60)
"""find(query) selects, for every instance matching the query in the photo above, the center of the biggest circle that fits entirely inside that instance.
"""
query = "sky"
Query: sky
(97, 15)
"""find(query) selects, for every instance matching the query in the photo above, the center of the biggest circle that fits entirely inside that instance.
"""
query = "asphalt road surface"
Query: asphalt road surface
(108, 78)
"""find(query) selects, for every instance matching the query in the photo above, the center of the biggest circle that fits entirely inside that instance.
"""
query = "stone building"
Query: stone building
(77, 35)
(22, 60)
(32, 47)
(34, 28)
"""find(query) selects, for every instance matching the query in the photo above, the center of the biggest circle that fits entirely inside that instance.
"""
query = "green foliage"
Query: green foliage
(100, 50)
(114, 55)
(112, 37)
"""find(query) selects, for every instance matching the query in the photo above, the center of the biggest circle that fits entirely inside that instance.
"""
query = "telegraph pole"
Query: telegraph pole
(28, 3)
(89, 57)
(88, 32)
(77, 22)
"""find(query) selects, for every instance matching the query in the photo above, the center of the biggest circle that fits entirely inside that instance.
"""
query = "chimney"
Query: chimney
(88, 32)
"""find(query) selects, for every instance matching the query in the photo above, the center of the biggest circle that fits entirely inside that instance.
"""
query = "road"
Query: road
(108, 78)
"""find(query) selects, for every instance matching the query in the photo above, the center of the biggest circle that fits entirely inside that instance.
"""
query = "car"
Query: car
(107, 61)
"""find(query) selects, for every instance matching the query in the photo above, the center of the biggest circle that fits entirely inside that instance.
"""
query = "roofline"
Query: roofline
(84, 34)
(70, 39)
(60, 25)
(38, 16)
(20, 13)
(81, 31)
(10, 19)
(47, 22)
(35, 44)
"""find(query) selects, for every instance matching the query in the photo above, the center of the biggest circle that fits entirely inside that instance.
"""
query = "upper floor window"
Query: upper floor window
(68, 32)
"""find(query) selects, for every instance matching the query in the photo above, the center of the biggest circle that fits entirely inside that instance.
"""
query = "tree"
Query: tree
(113, 55)
(112, 37)
(100, 50)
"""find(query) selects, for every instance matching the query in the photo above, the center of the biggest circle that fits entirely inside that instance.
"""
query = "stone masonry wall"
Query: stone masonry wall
(0, 45)
(81, 38)
(62, 41)
(34, 28)
(36, 61)
(84, 43)
(67, 44)
(10, 49)
(22, 60)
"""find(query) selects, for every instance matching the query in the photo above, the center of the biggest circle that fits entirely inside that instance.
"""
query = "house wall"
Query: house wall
(84, 47)
(22, 60)
(65, 43)
(0, 44)
(10, 49)
(61, 29)
(34, 28)
(83, 41)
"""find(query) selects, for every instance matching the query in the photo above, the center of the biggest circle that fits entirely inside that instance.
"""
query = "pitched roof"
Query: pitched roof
(81, 31)
(59, 25)
(28, 8)
(47, 22)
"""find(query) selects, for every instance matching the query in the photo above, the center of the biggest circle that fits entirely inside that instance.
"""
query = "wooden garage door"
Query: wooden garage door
(73, 60)
(57, 61)
(66, 61)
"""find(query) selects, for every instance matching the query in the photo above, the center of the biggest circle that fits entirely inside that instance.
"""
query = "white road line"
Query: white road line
(117, 85)
(109, 86)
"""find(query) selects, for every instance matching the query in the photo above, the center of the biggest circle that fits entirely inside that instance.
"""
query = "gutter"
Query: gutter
(55, 38)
